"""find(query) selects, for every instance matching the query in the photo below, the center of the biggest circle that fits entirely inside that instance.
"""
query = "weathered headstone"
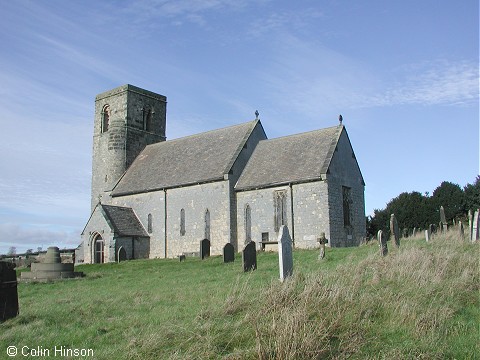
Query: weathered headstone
(475, 226)
(204, 248)
(443, 220)
(322, 240)
(431, 230)
(122, 254)
(285, 254)
(228, 253)
(8, 291)
(461, 233)
(405, 233)
(414, 232)
(383, 243)
(249, 257)
(394, 231)
(470, 224)
(182, 258)
(427, 235)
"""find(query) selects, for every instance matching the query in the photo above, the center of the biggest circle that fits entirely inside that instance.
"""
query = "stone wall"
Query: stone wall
(344, 172)
(98, 225)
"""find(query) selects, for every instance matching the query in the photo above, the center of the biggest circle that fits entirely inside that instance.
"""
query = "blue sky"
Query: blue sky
(404, 75)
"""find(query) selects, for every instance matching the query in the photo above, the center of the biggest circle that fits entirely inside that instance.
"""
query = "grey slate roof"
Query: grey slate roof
(185, 161)
(123, 221)
(290, 159)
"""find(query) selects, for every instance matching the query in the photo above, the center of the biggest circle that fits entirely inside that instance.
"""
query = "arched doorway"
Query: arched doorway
(98, 249)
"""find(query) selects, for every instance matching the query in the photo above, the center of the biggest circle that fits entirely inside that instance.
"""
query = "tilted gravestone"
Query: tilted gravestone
(285, 255)
(322, 240)
(443, 220)
(475, 226)
(228, 253)
(414, 232)
(461, 233)
(249, 257)
(383, 243)
(204, 248)
(394, 231)
(8, 291)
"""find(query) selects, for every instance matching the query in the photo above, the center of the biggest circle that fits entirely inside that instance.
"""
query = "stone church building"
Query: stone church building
(153, 198)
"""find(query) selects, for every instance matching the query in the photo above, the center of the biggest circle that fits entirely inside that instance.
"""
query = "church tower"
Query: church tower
(126, 120)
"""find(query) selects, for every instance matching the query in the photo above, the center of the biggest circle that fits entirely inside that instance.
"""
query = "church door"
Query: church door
(98, 248)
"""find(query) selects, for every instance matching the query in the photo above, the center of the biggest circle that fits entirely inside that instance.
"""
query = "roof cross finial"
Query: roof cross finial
(256, 114)
(340, 118)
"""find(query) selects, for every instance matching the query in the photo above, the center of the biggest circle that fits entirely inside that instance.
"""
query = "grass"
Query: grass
(419, 302)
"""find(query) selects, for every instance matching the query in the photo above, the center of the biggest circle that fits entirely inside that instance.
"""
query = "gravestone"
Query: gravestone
(383, 243)
(414, 232)
(443, 220)
(431, 231)
(405, 233)
(285, 255)
(475, 226)
(249, 257)
(470, 224)
(182, 257)
(8, 291)
(204, 248)
(228, 253)
(394, 231)
(427, 235)
(122, 254)
(322, 240)
(461, 233)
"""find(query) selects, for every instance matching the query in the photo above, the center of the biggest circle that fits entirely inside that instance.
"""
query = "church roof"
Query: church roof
(290, 159)
(190, 160)
(123, 221)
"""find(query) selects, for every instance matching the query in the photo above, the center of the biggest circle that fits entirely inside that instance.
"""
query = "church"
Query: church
(158, 198)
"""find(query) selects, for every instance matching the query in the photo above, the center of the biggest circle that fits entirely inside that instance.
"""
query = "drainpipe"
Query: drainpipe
(293, 219)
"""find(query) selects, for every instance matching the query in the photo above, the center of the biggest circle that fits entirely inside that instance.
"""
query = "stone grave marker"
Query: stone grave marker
(8, 291)
(204, 248)
(443, 220)
(249, 257)
(475, 227)
(285, 254)
(383, 243)
(182, 257)
(470, 224)
(322, 240)
(394, 231)
(228, 253)
(427, 235)
(414, 232)
(461, 232)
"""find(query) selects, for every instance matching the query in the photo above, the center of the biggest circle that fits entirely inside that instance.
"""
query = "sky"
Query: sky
(403, 74)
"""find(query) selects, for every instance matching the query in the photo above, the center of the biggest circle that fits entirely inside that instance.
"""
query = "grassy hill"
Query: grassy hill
(421, 301)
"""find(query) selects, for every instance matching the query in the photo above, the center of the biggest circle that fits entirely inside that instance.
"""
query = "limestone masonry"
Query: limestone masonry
(153, 198)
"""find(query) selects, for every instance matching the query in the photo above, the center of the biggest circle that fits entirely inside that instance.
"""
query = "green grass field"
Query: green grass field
(419, 302)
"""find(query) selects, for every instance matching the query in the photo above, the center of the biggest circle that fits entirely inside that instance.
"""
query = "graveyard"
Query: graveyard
(420, 300)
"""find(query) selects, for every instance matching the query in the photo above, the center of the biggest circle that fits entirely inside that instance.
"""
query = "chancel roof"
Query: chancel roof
(185, 161)
(123, 221)
(290, 159)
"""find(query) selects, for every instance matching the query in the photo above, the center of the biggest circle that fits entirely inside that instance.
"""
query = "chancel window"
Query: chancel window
(182, 222)
(105, 118)
(280, 209)
(347, 201)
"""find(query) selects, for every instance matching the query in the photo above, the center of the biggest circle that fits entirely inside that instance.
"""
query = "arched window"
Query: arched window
(207, 224)
(182, 222)
(105, 118)
(248, 224)
(149, 225)
(98, 249)
(148, 121)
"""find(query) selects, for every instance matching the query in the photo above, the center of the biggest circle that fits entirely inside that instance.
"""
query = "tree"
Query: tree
(472, 195)
(451, 197)
(12, 251)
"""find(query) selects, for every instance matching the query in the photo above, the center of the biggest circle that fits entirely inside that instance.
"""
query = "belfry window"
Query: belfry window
(105, 118)
(147, 126)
